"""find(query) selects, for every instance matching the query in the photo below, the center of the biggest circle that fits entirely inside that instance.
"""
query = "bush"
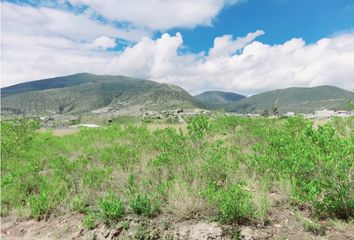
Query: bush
(233, 203)
(40, 204)
(143, 205)
(89, 221)
(111, 208)
(317, 159)
(198, 127)
(79, 204)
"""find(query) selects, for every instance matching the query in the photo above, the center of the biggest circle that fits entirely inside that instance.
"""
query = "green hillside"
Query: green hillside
(217, 99)
(84, 92)
(298, 100)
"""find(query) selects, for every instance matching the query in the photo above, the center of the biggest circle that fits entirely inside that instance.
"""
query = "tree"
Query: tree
(275, 110)
(350, 105)
(265, 113)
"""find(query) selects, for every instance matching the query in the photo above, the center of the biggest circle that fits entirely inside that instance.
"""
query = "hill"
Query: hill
(217, 99)
(85, 92)
(300, 100)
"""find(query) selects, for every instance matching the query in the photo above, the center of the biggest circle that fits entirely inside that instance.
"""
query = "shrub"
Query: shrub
(40, 204)
(94, 178)
(143, 205)
(89, 221)
(79, 204)
(111, 208)
(233, 203)
(198, 127)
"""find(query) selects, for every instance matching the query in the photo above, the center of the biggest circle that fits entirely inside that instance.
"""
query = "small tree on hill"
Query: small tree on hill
(275, 110)
(265, 113)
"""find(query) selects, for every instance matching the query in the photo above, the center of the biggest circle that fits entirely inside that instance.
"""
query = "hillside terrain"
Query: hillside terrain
(85, 92)
(298, 100)
(214, 177)
(217, 99)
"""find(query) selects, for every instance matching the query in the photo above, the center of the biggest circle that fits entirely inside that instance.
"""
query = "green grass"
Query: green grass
(221, 168)
(111, 208)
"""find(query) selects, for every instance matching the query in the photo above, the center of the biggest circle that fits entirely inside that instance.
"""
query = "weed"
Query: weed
(143, 232)
(233, 203)
(143, 205)
(111, 208)
(313, 227)
(198, 127)
(235, 233)
(186, 174)
(125, 225)
(89, 221)
(78, 204)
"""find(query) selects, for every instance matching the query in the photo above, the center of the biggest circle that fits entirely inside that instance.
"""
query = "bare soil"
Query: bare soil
(62, 131)
(282, 224)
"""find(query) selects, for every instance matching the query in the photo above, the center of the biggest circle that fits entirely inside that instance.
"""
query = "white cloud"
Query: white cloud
(27, 20)
(158, 14)
(225, 46)
(46, 42)
(103, 43)
(241, 65)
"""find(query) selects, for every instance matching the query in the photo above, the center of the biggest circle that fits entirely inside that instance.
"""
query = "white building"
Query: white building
(324, 113)
(290, 114)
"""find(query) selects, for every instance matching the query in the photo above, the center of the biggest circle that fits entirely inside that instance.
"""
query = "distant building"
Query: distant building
(324, 113)
(290, 114)
(342, 113)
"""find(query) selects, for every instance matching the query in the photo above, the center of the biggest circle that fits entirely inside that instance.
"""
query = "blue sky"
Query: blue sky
(245, 46)
(280, 19)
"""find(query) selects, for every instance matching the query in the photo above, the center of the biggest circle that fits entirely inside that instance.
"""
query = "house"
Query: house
(324, 113)
(290, 114)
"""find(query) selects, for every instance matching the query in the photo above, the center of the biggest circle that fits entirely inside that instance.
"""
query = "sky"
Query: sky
(244, 46)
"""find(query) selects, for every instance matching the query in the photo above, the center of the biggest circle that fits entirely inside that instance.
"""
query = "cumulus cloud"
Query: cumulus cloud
(47, 44)
(103, 43)
(225, 45)
(158, 14)
(44, 21)
(241, 65)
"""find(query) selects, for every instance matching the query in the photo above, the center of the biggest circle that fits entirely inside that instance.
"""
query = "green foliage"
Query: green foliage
(111, 208)
(143, 232)
(235, 234)
(198, 127)
(233, 203)
(319, 161)
(40, 204)
(79, 204)
(42, 174)
(17, 135)
(350, 105)
(143, 205)
(89, 221)
(94, 178)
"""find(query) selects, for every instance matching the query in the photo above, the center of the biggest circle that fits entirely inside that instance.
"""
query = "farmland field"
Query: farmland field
(278, 178)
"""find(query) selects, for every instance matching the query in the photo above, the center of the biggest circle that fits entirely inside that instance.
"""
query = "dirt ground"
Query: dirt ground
(62, 131)
(284, 223)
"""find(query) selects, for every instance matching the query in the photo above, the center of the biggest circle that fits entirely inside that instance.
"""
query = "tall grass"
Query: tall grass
(205, 172)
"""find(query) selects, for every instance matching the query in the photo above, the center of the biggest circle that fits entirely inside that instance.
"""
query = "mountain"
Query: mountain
(298, 100)
(217, 99)
(85, 92)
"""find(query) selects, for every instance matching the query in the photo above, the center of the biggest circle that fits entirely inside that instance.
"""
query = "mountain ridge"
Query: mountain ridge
(295, 99)
(85, 92)
(217, 99)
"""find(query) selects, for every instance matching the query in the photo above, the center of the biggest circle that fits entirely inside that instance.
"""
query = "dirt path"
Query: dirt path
(283, 225)
(61, 131)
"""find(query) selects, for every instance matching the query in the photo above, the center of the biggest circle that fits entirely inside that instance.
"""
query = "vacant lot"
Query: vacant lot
(221, 177)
